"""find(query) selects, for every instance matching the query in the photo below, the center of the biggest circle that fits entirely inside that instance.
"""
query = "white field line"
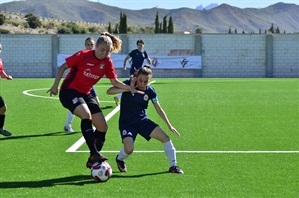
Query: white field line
(81, 141)
(210, 152)
(27, 92)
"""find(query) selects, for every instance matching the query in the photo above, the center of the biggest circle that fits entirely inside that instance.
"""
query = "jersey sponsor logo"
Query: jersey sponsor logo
(75, 100)
(88, 74)
(90, 64)
(145, 97)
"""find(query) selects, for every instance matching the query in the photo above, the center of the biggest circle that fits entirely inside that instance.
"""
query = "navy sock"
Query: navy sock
(2, 118)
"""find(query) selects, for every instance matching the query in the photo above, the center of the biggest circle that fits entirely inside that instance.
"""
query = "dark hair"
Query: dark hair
(144, 70)
(140, 41)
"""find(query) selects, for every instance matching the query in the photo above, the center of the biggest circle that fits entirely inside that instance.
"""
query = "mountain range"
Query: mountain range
(215, 20)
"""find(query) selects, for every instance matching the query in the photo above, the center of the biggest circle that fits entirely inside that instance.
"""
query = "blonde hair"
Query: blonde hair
(110, 39)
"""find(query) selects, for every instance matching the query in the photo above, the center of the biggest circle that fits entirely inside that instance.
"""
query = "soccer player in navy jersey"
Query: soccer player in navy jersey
(87, 67)
(133, 119)
(137, 58)
(3, 106)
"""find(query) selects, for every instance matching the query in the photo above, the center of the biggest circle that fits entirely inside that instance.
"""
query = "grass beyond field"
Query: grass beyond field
(239, 138)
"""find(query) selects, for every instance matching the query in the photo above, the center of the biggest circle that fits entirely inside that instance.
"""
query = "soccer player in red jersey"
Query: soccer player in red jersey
(87, 67)
(2, 103)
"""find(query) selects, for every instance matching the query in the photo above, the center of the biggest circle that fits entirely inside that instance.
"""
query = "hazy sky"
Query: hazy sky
(171, 4)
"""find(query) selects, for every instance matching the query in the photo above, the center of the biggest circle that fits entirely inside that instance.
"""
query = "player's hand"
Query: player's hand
(173, 130)
(133, 90)
(125, 69)
(53, 91)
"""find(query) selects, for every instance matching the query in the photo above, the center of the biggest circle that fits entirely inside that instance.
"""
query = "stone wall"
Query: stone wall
(223, 55)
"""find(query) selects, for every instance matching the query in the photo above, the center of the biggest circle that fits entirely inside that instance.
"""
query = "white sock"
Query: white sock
(119, 95)
(69, 119)
(122, 155)
(169, 150)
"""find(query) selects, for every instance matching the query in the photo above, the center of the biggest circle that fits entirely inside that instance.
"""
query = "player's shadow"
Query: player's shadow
(60, 133)
(122, 175)
(107, 107)
(77, 180)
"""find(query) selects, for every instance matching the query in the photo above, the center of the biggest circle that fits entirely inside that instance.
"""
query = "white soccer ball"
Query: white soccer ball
(101, 172)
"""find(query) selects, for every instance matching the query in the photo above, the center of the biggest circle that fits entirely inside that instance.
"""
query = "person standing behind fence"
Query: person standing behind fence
(87, 68)
(3, 106)
(89, 45)
(137, 58)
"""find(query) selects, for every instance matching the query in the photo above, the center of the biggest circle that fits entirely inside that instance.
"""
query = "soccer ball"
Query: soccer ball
(101, 171)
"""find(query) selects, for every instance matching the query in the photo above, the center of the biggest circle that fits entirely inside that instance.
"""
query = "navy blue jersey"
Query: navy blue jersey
(133, 108)
(138, 58)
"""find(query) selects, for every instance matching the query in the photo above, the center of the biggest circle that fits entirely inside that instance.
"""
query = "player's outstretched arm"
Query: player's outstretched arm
(54, 89)
(164, 117)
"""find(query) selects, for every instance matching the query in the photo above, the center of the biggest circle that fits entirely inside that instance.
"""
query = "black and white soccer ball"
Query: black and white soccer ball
(101, 171)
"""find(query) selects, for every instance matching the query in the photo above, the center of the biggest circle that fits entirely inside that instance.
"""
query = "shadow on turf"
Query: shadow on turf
(121, 175)
(60, 133)
(77, 180)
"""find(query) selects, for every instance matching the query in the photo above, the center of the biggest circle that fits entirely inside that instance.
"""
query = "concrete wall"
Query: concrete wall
(223, 55)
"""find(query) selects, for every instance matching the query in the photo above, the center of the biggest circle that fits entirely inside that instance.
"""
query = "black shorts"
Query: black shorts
(2, 103)
(71, 98)
(144, 128)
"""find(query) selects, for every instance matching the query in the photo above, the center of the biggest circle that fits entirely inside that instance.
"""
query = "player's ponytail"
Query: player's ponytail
(108, 38)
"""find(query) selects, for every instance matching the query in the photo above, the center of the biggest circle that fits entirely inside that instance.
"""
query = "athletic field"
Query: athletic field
(239, 138)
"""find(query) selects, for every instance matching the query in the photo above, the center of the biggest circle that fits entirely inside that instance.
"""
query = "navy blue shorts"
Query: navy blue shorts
(144, 128)
(71, 98)
(2, 103)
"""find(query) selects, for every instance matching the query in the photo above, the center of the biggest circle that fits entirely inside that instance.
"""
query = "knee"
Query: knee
(3, 110)
(129, 150)
(165, 139)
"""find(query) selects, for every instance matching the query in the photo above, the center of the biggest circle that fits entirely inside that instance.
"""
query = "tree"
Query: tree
(271, 29)
(277, 31)
(198, 31)
(157, 24)
(123, 27)
(2, 19)
(33, 21)
(170, 26)
(109, 28)
(116, 30)
(164, 29)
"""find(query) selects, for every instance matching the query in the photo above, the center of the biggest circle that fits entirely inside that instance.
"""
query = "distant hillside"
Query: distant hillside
(216, 20)
(209, 7)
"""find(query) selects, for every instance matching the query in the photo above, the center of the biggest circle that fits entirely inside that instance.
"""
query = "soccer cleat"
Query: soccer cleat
(68, 129)
(117, 100)
(121, 165)
(176, 169)
(5, 132)
(95, 158)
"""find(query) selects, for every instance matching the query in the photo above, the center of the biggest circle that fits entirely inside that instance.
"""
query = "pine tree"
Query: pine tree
(109, 27)
(170, 26)
(164, 30)
(157, 24)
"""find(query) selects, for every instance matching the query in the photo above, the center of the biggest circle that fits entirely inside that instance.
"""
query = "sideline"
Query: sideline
(210, 152)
